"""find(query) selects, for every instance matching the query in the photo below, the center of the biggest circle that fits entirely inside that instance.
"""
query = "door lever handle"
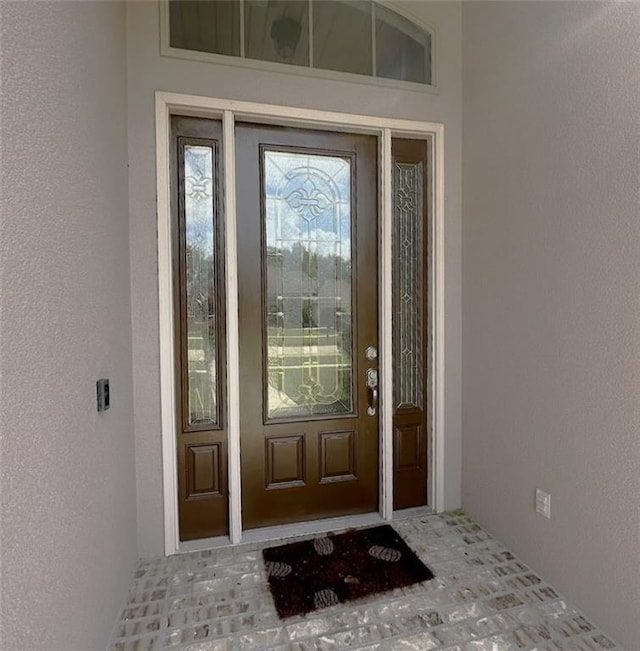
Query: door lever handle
(372, 391)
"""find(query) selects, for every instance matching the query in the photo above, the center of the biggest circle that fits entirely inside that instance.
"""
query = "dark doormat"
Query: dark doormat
(312, 574)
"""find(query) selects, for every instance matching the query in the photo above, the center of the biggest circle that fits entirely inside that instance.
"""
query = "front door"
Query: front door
(307, 295)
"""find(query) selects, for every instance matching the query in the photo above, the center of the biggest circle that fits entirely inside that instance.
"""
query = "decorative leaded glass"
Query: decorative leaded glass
(199, 278)
(408, 285)
(307, 205)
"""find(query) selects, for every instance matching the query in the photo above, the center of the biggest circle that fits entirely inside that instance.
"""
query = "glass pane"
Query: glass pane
(200, 285)
(403, 50)
(307, 200)
(205, 26)
(408, 285)
(277, 31)
(342, 36)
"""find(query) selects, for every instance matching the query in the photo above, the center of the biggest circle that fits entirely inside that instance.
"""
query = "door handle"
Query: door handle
(372, 390)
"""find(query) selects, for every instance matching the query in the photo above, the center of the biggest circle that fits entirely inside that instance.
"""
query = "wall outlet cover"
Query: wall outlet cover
(543, 503)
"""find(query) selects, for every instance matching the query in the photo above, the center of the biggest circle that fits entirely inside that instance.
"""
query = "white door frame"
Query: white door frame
(385, 128)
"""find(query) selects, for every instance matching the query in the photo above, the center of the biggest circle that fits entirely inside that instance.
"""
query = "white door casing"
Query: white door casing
(385, 128)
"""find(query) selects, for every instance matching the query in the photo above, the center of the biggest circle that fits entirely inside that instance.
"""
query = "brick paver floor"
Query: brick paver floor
(482, 599)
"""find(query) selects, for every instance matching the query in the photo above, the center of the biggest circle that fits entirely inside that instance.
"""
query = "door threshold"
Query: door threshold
(203, 544)
(279, 532)
(265, 534)
(413, 512)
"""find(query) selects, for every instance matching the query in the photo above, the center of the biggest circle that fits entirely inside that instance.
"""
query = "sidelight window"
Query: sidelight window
(199, 281)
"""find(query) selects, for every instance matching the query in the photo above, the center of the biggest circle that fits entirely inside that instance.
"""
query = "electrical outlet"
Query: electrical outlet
(543, 503)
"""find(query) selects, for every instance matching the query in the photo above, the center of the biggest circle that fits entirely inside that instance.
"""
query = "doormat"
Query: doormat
(313, 574)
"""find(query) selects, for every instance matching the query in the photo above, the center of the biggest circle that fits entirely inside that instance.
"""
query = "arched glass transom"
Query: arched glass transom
(359, 37)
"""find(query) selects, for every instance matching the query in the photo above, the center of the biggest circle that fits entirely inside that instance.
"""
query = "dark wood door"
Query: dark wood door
(410, 322)
(307, 290)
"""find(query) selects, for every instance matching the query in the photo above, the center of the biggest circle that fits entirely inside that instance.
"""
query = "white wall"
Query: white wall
(147, 72)
(551, 287)
(67, 473)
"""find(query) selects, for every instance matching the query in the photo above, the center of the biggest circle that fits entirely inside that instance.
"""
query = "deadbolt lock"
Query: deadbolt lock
(371, 353)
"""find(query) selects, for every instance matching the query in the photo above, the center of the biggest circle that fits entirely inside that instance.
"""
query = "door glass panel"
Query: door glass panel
(408, 285)
(199, 290)
(307, 226)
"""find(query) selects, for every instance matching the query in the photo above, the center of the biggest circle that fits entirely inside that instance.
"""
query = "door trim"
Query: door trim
(385, 128)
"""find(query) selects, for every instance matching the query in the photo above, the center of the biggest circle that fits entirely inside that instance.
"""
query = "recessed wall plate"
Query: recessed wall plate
(102, 388)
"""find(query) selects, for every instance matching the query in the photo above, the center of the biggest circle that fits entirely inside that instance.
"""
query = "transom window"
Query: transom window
(358, 37)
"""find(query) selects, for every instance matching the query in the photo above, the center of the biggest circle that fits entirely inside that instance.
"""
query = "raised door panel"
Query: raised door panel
(338, 456)
(203, 470)
(285, 461)
(408, 448)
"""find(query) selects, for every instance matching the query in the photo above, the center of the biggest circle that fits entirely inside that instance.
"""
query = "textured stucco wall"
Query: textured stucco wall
(68, 528)
(147, 72)
(551, 292)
